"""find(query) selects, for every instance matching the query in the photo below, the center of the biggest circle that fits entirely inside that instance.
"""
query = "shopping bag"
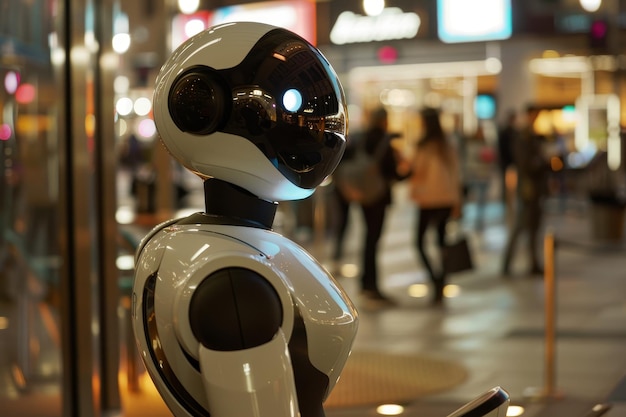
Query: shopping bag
(457, 256)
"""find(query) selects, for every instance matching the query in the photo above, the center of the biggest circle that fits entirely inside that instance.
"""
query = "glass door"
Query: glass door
(59, 347)
(30, 200)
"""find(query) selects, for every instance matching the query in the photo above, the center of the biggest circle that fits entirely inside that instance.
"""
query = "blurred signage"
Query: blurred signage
(391, 24)
(296, 16)
(573, 23)
(583, 22)
(471, 21)
(184, 26)
(27, 29)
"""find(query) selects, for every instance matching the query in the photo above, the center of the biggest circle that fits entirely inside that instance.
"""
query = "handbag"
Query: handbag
(359, 179)
(457, 255)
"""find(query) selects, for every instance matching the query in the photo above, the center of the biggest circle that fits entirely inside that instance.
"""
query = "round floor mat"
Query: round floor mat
(371, 378)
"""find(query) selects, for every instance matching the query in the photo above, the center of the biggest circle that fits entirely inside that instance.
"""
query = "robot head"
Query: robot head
(253, 105)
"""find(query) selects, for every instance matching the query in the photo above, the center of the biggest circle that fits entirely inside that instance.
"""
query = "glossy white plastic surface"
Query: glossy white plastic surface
(252, 382)
(220, 155)
(182, 256)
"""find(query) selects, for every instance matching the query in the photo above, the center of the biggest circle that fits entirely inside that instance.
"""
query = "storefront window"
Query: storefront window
(30, 357)
(58, 299)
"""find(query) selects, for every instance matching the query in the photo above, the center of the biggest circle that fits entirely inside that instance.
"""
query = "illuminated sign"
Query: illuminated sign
(476, 20)
(296, 16)
(391, 24)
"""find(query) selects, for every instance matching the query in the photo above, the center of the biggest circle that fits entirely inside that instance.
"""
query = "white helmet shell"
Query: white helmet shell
(253, 105)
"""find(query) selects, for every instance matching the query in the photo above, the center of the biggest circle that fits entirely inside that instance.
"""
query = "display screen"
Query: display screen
(471, 21)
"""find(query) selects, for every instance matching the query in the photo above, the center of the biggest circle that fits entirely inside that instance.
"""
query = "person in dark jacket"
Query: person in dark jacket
(393, 168)
(532, 187)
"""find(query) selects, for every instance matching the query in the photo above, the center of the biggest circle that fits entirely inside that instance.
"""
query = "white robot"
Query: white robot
(231, 318)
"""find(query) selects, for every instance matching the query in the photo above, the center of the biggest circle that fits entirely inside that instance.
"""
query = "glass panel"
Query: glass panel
(30, 358)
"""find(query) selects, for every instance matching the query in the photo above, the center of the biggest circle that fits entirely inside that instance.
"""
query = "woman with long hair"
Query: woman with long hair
(436, 190)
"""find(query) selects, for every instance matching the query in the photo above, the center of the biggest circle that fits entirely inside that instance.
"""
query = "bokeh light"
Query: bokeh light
(292, 100)
(514, 411)
(122, 127)
(373, 7)
(121, 84)
(418, 290)
(188, 6)
(11, 81)
(142, 106)
(390, 409)
(124, 106)
(5, 131)
(25, 93)
(146, 128)
(590, 5)
(193, 27)
(121, 42)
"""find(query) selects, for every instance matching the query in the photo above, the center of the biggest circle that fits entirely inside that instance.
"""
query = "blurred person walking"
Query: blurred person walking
(435, 187)
(506, 138)
(377, 140)
(532, 186)
(480, 158)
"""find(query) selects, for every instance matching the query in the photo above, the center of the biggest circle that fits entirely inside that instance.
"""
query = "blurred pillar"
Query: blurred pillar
(615, 49)
(516, 87)
(106, 163)
(162, 160)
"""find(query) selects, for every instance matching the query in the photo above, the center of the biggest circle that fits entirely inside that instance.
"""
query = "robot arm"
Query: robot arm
(236, 316)
(255, 382)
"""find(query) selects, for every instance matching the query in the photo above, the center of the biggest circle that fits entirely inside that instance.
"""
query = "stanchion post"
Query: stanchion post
(549, 389)
(550, 313)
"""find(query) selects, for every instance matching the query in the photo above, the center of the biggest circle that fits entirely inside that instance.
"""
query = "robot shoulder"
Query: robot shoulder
(148, 237)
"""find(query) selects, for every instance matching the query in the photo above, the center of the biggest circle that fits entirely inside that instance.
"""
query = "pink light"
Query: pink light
(387, 54)
(25, 93)
(5, 132)
(598, 29)
(146, 128)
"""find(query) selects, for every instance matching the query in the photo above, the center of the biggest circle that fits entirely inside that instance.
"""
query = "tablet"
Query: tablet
(492, 403)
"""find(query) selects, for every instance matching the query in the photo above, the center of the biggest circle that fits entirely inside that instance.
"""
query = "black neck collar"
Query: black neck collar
(235, 205)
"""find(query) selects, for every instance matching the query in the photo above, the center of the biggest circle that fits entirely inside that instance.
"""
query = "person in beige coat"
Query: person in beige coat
(435, 187)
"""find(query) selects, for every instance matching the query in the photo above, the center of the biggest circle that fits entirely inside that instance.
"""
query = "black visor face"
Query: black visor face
(197, 102)
(284, 97)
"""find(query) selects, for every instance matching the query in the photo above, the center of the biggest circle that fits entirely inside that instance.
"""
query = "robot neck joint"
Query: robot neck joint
(224, 199)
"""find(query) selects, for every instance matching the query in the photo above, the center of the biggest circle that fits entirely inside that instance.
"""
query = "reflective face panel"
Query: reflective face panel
(197, 102)
(284, 97)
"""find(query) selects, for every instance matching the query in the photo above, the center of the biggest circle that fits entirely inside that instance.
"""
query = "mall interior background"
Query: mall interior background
(82, 165)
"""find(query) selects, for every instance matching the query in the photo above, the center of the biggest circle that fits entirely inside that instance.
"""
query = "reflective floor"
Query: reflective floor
(491, 326)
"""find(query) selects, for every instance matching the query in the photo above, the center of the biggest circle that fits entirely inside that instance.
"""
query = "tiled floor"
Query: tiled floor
(492, 326)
